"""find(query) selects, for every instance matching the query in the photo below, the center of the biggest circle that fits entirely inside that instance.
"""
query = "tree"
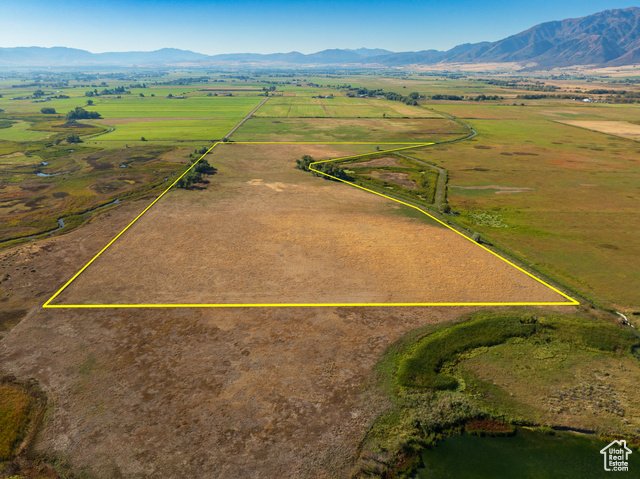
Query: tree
(80, 113)
(143, 139)
(89, 102)
(38, 93)
(48, 111)
(73, 138)
(141, 95)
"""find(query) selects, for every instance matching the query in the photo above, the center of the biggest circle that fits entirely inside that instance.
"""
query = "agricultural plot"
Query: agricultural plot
(563, 197)
(354, 130)
(616, 128)
(161, 107)
(339, 107)
(170, 130)
(276, 235)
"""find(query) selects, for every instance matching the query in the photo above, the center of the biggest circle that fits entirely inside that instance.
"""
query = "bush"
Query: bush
(73, 138)
(422, 368)
(329, 168)
(48, 111)
(490, 427)
(601, 336)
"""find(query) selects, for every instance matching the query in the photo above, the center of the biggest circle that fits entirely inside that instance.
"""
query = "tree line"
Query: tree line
(328, 168)
(80, 113)
(195, 174)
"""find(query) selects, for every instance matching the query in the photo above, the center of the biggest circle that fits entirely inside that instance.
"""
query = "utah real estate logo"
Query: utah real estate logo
(616, 456)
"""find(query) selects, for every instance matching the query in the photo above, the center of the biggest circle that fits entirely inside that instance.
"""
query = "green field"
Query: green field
(20, 131)
(530, 367)
(171, 130)
(339, 107)
(191, 107)
(566, 198)
(342, 129)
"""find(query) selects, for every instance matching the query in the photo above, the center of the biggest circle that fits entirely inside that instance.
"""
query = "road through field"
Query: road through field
(228, 135)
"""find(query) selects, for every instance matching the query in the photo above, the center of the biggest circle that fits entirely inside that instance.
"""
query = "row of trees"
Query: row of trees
(114, 91)
(328, 168)
(411, 99)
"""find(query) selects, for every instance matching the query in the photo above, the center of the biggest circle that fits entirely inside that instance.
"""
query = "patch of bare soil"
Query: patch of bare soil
(398, 178)
(385, 161)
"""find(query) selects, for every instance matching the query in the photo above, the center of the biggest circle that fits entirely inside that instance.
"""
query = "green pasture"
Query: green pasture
(342, 129)
(20, 131)
(339, 107)
(161, 107)
(205, 130)
(578, 181)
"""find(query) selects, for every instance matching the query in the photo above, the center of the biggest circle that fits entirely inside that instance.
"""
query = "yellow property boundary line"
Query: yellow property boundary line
(48, 304)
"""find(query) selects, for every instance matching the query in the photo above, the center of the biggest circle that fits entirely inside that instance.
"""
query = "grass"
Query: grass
(15, 409)
(502, 364)
(339, 107)
(183, 130)
(417, 182)
(579, 191)
(422, 368)
(325, 129)
(161, 107)
(91, 177)
(20, 131)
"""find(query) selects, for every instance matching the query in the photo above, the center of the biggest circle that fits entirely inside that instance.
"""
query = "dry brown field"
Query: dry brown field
(263, 232)
(243, 392)
(618, 128)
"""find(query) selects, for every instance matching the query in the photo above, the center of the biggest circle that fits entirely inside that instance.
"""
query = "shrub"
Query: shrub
(48, 111)
(422, 368)
(490, 427)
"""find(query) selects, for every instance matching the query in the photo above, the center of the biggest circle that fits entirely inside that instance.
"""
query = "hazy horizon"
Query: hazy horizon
(270, 27)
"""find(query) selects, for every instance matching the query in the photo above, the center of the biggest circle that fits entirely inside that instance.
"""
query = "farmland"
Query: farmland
(302, 391)
(283, 230)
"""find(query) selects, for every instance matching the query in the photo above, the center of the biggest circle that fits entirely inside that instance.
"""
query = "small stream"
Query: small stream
(62, 224)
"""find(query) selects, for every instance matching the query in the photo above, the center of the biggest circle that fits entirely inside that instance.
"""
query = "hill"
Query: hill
(611, 37)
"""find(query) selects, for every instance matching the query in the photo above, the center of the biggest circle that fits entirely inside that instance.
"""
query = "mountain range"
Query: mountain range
(611, 37)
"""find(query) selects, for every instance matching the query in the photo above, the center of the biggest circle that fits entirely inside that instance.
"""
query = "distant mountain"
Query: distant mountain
(62, 56)
(611, 38)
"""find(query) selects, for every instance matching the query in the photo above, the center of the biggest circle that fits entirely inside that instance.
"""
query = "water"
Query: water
(44, 163)
(527, 455)
(62, 224)
(45, 175)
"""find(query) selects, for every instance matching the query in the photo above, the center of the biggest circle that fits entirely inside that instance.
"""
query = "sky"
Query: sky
(268, 26)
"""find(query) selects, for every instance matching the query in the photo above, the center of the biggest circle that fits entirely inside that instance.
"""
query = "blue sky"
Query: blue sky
(269, 26)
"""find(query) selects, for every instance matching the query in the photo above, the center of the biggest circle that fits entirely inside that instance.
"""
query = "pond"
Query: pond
(527, 455)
